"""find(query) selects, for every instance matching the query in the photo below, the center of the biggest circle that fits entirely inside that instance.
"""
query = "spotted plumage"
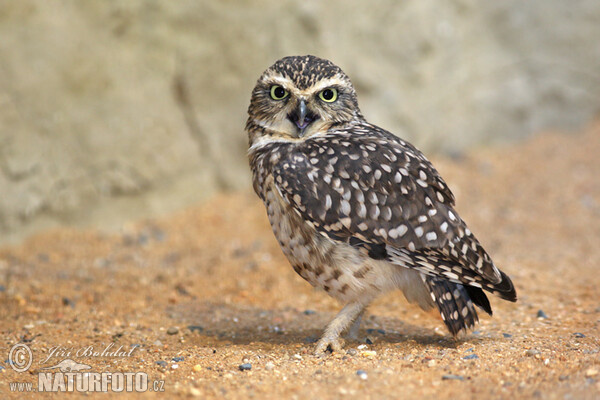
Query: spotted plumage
(357, 210)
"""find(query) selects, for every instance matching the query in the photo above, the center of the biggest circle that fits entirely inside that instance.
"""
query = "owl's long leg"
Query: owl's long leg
(353, 331)
(341, 322)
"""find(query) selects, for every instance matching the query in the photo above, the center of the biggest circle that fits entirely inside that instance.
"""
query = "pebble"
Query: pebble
(507, 335)
(309, 312)
(175, 366)
(197, 368)
(471, 357)
(269, 366)
(368, 353)
(157, 343)
(173, 330)
(369, 340)
(352, 352)
(162, 363)
(563, 377)
(541, 314)
(371, 331)
(195, 328)
(68, 302)
(452, 377)
(591, 372)
(195, 392)
(310, 339)
(178, 359)
(245, 367)
(297, 357)
(362, 374)
(579, 335)
(532, 352)
(431, 363)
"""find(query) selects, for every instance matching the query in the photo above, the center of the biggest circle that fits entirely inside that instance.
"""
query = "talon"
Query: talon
(332, 345)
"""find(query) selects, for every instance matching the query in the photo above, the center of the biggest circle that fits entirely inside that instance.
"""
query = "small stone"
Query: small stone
(197, 368)
(269, 366)
(195, 392)
(297, 357)
(175, 366)
(310, 339)
(195, 328)
(369, 340)
(452, 377)
(507, 335)
(579, 335)
(591, 372)
(162, 363)
(541, 314)
(309, 312)
(368, 353)
(362, 347)
(178, 359)
(68, 302)
(245, 367)
(431, 363)
(471, 357)
(157, 343)
(362, 374)
(173, 330)
(352, 352)
(532, 352)
(563, 377)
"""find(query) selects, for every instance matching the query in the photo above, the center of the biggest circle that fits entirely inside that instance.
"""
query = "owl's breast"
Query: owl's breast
(300, 242)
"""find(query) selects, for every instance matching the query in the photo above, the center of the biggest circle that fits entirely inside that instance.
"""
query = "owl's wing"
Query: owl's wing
(380, 194)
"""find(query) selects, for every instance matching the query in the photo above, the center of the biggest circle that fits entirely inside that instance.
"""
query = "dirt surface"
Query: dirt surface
(211, 286)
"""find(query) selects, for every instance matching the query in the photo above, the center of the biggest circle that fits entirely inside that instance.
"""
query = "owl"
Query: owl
(357, 210)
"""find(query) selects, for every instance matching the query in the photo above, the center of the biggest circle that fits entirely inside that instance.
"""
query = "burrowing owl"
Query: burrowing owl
(357, 210)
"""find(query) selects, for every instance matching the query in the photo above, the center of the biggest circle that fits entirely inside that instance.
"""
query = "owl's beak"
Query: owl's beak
(302, 117)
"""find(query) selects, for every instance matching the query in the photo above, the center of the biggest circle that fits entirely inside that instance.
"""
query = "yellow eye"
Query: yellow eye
(278, 93)
(329, 95)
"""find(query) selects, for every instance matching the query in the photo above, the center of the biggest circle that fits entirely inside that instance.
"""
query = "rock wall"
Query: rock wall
(111, 111)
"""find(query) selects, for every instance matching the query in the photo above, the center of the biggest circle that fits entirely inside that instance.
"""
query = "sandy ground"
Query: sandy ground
(210, 286)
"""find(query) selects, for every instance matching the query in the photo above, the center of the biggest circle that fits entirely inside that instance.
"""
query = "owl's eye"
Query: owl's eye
(278, 93)
(329, 95)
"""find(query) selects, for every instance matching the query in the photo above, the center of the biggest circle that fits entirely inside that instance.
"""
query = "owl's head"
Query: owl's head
(301, 96)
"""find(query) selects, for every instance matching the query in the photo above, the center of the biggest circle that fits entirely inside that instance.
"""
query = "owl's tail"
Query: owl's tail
(456, 303)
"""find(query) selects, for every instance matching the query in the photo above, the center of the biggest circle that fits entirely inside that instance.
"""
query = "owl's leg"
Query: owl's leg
(353, 331)
(341, 322)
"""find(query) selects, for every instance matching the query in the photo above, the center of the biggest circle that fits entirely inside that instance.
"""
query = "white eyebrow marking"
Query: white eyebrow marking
(288, 85)
(324, 84)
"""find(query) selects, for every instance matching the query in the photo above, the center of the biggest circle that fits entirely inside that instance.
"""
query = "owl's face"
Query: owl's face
(298, 97)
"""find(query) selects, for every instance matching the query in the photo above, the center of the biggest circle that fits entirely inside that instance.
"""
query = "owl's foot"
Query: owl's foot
(331, 338)
(326, 343)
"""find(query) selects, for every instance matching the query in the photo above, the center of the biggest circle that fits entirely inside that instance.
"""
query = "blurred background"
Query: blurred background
(116, 110)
